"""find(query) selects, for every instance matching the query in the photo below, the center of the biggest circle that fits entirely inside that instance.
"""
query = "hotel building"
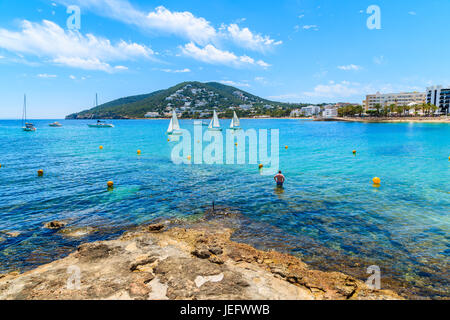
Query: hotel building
(439, 97)
(400, 99)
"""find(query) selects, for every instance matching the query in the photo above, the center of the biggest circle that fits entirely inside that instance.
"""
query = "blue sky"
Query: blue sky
(294, 50)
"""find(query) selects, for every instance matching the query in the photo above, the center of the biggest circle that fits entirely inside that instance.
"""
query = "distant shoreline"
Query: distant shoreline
(395, 120)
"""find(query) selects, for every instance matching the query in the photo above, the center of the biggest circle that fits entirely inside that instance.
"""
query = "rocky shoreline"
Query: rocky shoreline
(193, 263)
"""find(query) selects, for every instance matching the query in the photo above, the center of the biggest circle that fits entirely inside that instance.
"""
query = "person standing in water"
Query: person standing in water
(280, 179)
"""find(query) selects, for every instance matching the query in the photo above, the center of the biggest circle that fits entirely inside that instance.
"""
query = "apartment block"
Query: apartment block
(400, 99)
(440, 97)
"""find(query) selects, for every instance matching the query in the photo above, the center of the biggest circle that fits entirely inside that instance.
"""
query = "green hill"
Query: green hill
(191, 99)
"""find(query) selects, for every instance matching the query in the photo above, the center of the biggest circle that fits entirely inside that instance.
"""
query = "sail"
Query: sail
(170, 130)
(235, 123)
(175, 123)
(215, 121)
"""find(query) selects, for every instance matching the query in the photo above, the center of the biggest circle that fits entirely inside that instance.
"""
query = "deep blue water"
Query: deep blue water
(329, 213)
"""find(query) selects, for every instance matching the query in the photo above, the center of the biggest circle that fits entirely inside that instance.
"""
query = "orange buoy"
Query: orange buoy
(101, 147)
(286, 147)
(110, 184)
(139, 152)
(354, 151)
(189, 158)
(376, 181)
(261, 166)
(40, 173)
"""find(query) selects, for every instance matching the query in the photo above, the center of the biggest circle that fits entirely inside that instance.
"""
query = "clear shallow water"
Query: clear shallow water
(329, 213)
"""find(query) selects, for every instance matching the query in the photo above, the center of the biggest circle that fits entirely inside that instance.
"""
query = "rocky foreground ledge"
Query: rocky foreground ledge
(196, 263)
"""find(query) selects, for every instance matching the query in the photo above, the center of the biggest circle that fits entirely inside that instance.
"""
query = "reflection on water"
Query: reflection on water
(328, 213)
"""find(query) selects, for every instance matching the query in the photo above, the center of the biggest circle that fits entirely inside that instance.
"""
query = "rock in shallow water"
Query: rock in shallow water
(55, 225)
(156, 227)
(77, 232)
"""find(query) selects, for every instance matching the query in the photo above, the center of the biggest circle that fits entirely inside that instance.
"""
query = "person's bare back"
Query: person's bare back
(280, 179)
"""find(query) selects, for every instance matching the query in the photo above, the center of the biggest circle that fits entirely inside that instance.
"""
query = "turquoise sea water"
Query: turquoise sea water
(329, 213)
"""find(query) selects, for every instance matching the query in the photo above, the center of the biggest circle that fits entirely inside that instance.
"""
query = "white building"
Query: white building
(330, 112)
(152, 115)
(439, 97)
(399, 99)
(295, 113)
(310, 111)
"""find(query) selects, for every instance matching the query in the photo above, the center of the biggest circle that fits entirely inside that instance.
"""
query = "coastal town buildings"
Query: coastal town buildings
(330, 112)
(440, 97)
(400, 99)
(152, 115)
(310, 111)
(295, 113)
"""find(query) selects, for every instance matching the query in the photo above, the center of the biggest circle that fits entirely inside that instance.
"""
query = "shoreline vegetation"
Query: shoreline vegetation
(191, 262)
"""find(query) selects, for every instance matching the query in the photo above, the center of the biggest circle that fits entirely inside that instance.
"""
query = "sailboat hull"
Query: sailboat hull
(214, 129)
(100, 126)
(175, 133)
(29, 129)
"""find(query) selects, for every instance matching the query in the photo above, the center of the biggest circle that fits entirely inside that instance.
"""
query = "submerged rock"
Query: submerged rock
(55, 225)
(156, 227)
(12, 234)
(78, 232)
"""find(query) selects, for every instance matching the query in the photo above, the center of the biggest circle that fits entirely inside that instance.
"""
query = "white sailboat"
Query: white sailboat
(99, 124)
(174, 126)
(235, 123)
(215, 124)
(28, 127)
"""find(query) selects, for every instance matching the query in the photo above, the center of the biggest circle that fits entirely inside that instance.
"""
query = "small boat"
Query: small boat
(215, 124)
(55, 124)
(28, 127)
(174, 126)
(101, 124)
(235, 123)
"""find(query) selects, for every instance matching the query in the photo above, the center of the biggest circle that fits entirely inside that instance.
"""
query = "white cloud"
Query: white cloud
(47, 76)
(210, 54)
(247, 39)
(183, 24)
(72, 77)
(301, 16)
(234, 84)
(161, 20)
(412, 13)
(70, 48)
(378, 60)
(186, 70)
(350, 67)
(311, 26)
(334, 90)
